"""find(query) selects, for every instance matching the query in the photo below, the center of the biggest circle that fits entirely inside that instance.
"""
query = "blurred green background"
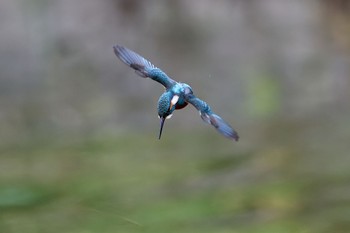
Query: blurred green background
(78, 140)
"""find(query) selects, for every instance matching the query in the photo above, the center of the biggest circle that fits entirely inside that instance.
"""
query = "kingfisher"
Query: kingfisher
(177, 95)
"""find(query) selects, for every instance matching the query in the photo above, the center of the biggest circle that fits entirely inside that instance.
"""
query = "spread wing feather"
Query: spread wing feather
(142, 66)
(211, 118)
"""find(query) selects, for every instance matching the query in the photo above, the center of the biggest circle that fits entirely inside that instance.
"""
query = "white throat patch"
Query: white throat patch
(174, 101)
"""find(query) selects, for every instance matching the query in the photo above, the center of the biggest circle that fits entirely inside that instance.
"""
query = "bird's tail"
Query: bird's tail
(134, 60)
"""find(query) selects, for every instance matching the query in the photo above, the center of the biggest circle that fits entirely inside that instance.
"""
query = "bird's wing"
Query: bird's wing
(211, 118)
(143, 67)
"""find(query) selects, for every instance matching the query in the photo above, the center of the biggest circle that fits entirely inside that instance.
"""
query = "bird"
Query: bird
(177, 95)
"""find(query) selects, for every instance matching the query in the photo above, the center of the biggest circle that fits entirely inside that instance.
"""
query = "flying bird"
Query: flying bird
(177, 95)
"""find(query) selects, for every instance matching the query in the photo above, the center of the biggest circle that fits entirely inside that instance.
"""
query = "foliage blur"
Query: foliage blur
(78, 140)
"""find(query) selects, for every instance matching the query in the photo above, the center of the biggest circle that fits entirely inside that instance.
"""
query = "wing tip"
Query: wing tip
(130, 58)
(118, 50)
(235, 137)
(223, 127)
(115, 48)
(127, 56)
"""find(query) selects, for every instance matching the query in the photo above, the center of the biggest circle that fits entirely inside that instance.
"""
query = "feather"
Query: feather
(211, 118)
(142, 66)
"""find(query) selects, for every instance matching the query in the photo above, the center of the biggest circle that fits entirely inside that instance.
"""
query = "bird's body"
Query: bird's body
(176, 96)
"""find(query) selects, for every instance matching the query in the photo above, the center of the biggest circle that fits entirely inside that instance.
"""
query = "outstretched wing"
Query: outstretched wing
(142, 67)
(211, 118)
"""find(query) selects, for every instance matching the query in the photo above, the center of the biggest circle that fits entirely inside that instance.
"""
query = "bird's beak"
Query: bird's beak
(162, 120)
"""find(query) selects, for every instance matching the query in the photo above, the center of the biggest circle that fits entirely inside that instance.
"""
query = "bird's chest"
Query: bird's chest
(181, 103)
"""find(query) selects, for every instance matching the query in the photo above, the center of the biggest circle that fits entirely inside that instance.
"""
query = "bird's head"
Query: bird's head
(166, 106)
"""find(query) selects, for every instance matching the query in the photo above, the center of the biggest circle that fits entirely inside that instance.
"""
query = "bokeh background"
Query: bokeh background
(78, 129)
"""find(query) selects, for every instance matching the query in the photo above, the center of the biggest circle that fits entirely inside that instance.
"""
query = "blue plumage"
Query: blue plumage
(142, 67)
(176, 96)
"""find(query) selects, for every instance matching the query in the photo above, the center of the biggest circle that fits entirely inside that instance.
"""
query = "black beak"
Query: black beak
(162, 120)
